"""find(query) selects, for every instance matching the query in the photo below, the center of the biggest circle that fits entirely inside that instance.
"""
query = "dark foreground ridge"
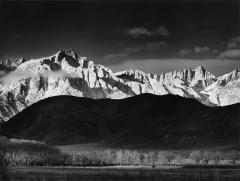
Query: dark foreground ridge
(141, 121)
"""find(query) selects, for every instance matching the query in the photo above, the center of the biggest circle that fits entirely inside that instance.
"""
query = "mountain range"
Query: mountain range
(25, 82)
(142, 121)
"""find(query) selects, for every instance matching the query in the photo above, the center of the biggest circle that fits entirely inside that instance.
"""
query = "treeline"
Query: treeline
(154, 158)
(15, 152)
(31, 153)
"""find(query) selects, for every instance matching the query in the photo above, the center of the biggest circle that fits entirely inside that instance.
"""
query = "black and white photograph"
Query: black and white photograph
(119, 90)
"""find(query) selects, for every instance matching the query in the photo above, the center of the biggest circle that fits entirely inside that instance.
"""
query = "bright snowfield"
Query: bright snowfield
(67, 74)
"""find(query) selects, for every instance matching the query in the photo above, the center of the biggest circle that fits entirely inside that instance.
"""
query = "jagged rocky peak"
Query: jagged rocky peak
(225, 79)
(201, 72)
(236, 73)
(200, 69)
(12, 64)
(19, 61)
(131, 75)
(198, 76)
(85, 63)
(73, 59)
(69, 55)
(6, 63)
(130, 72)
(66, 60)
(190, 74)
(69, 52)
(202, 77)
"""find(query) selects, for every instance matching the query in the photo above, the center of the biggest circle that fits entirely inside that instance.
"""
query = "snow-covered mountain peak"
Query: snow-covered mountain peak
(196, 77)
(66, 54)
(225, 90)
(12, 63)
(201, 72)
(62, 60)
(21, 60)
(225, 79)
(236, 72)
(132, 75)
(200, 69)
(66, 73)
(130, 72)
(202, 77)
(69, 52)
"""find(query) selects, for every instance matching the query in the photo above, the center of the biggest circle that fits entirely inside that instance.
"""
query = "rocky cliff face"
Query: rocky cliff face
(67, 74)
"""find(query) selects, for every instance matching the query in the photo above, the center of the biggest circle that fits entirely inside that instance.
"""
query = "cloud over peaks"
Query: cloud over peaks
(142, 31)
(199, 49)
(156, 44)
(115, 55)
(149, 47)
(230, 54)
(233, 49)
(234, 43)
(18, 75)
(183, 52)
(196, 50)
(139, 31)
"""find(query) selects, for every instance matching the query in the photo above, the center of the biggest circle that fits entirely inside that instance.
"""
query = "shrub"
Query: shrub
(108, 157)
(207, 156)
(3, 161)
(217, 157)
(160, 158)
(235, 156)
(196, 156)
(169, 156)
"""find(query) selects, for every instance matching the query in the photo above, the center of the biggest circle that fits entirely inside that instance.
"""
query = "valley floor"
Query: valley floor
(119, 173)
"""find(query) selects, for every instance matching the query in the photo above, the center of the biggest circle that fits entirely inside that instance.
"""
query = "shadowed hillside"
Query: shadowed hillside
(146, 120)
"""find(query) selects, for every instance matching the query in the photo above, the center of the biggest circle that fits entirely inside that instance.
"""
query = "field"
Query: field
(120, 174)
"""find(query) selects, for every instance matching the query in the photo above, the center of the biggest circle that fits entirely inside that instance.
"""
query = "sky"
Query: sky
(150, 35)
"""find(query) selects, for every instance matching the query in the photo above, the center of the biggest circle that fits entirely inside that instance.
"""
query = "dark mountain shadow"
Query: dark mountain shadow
(141, 121)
